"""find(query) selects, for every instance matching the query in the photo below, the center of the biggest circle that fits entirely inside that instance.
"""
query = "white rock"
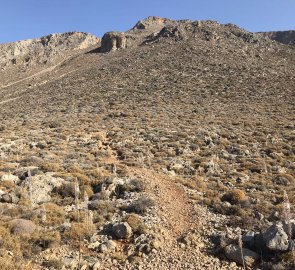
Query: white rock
(10, 177)
(39, 187)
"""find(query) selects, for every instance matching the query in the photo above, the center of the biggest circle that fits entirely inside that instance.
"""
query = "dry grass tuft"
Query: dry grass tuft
(235, 196)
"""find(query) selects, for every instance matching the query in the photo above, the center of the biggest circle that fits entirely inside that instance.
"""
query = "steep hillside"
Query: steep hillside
(167, 147)
(28, 57)
(285, 37)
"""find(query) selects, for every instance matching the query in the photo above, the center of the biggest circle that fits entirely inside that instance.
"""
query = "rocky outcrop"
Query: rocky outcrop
(276, 238)
(285, 37)
(39, 187)
(122, 230)
(151, 22)
(155, 29)
(113, 41)
(246, 256)
(45, 49)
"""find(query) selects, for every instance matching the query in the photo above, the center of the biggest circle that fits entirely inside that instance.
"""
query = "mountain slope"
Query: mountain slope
(208, 107)
(285, 37)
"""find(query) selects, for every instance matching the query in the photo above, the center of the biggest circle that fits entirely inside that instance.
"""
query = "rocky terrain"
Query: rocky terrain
(285, 37)
(44, 50)
(168, 146)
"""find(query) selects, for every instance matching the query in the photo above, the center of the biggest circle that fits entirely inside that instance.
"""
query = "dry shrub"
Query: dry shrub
(54, 123)
(10, 263)
(9, 242)
(32, 161)
(136, 224)
(103, 208)
(55, 215)
(7, 185)
(46, 239)
(211, 197)
(134, 185)
(50, 167)
(98, 219)
(140, 206)
(97, 175)
(101, 135)
(25, 201)
(119, 256)
(75, 168)
(235, 196)
(284, 179)
(80, 230)
(87, 189)
(196, 183)
(82, 179)
(77, 216)
(53, 263)
(199, 183)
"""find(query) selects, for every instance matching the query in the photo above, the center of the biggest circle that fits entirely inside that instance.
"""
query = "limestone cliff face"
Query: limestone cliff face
(45, 49)
(112, 41)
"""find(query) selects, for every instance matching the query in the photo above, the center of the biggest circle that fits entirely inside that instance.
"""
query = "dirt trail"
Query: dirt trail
(46, 70)
(171, 199)
(184, 220)
(32, 76)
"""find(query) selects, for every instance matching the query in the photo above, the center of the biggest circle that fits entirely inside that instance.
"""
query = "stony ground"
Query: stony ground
(186, 133)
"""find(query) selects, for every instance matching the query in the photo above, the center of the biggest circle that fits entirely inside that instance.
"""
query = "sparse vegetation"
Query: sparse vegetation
(206, 109)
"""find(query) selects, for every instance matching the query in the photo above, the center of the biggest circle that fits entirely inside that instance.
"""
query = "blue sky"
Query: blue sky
(24, 19)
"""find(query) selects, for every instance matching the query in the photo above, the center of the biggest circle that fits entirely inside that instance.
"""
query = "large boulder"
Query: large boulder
(39, 187)
(249, 239)
(113, 41)
(22, 226)
(108, 246)
(233, 253)
(122, 230)
(276, 238)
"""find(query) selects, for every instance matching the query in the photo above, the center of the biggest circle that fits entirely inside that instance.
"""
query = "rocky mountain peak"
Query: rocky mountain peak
(155, 29)
(45, 49)
(152, 21)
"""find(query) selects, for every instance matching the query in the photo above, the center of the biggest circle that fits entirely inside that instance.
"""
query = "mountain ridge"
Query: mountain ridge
(48, 48)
